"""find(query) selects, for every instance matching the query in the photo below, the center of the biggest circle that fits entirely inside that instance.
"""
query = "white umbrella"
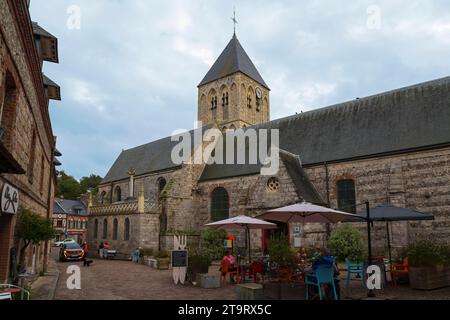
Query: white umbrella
(243, 222)
(306, 213)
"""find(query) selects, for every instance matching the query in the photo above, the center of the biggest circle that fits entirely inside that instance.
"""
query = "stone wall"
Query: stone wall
(418, 180)
(238, 86)
(28, 136)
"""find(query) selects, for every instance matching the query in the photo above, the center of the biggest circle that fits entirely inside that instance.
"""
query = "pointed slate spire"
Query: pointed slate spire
(233, 59)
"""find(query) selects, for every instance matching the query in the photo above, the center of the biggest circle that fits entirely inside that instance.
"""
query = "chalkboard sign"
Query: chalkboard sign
(179, 258)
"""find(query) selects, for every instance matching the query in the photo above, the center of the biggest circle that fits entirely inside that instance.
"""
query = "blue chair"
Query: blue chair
(322, 276)
(354, 268)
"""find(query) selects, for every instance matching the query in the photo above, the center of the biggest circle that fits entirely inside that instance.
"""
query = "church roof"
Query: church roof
(233, 59)
(401, 120)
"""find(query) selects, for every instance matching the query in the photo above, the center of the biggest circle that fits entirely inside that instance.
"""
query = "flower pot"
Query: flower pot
(429, 278)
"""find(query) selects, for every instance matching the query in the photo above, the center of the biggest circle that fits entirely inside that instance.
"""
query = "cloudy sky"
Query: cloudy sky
(129, 73)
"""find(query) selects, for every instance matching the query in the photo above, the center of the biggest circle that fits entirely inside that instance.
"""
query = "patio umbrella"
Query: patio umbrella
(389, 213)
(243, 222)
(306, 213)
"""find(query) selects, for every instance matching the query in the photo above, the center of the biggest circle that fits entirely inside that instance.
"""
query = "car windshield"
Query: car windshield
(72, 246)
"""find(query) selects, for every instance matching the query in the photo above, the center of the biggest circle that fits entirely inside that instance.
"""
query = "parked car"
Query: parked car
(71, 252)
(60, 243)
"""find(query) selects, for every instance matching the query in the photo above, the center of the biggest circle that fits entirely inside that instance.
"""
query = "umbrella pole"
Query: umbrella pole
(389, 247)
(249, 248)
(370, 293)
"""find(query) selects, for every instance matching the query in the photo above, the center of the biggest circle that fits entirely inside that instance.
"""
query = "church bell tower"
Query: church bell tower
(233, 94)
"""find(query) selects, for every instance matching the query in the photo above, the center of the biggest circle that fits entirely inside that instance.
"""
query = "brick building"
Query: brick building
(27, 143)
(393, 147)
(70, 219)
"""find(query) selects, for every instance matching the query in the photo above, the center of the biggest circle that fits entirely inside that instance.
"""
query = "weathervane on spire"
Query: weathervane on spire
(234, 21)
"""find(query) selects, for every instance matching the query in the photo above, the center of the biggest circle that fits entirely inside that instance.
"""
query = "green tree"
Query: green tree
(32, 228)
(67, 186)
(90, 182)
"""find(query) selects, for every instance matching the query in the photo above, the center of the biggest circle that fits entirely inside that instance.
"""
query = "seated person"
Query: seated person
(105, 250)
(232, 263)
(325, 260)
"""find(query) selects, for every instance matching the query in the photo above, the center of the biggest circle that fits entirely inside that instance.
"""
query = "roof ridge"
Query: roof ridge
(340, 105)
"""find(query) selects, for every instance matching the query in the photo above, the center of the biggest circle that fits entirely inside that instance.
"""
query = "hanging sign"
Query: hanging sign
(9, 199)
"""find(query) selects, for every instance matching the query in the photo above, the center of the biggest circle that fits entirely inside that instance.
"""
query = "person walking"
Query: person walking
(100, 250)
(85, 259)
(105, 250)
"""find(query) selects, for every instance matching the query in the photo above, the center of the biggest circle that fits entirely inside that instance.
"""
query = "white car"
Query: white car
(60, 243)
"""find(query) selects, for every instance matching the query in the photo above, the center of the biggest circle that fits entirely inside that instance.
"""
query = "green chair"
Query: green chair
(354, 268)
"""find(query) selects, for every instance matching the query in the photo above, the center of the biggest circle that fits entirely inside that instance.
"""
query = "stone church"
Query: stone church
(392, 147)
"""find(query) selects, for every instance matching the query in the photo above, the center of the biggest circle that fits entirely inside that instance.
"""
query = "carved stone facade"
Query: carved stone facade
(237, 103)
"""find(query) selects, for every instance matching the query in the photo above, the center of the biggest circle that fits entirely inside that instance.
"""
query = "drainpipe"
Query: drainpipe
(327, 183)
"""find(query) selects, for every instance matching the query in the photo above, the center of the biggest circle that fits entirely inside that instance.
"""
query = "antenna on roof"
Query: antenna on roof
(234, 21)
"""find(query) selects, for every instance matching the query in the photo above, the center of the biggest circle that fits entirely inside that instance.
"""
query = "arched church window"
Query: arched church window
(102, 197)
(214, 103)
(115, 227)
(161, 185)
(249, 101)
(105, 229)
(220, 205)
(346, 195)
(118, 194)
(126, 235)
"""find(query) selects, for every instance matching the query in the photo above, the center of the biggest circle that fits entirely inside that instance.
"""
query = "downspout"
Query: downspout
(327, 186)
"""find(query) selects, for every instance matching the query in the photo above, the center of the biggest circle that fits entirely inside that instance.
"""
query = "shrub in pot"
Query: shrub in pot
(347, 242)
(163, 260)
(198, 263)
(429, 265)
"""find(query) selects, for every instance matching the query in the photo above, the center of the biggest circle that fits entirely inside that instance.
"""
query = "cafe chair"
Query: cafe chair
(225, 271)
(354, 268)
(400, 269)
(322, 276)
(257, 268)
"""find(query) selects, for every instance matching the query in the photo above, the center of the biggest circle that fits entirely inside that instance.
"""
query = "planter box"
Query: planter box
(214, 268)
(284, 291)
(163, 264)
(208, 281)
(429, 278)
(250, 291)
(152, 263)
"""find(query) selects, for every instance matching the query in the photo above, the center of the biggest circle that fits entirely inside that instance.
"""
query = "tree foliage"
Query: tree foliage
(32, 228)
(211, 243)
(347, 242)
(69, 187)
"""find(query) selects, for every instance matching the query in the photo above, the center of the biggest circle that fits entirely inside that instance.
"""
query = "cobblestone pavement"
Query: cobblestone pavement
(123, 280)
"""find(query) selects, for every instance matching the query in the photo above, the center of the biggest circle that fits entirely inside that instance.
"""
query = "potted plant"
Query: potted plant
(347, 242)
(429, 265)
(198, 263)
(163, 260)
(145, 255)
